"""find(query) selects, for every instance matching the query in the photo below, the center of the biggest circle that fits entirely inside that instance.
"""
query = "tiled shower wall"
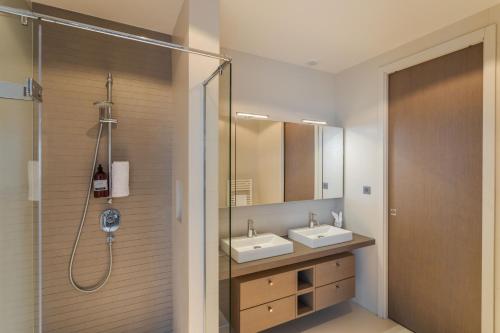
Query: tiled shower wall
(138, 297)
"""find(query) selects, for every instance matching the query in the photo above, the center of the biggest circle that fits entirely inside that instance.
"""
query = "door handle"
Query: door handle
(393, 211)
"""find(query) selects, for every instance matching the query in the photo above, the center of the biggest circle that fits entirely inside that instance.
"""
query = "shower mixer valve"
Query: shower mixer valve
(110, 220)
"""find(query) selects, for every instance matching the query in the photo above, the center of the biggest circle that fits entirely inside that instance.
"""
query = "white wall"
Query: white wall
(180, 245)
(285, 93)
(356, 93)
(197, 27)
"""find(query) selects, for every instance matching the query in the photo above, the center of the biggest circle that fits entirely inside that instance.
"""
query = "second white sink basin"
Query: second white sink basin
(245, 249)
(319, 236)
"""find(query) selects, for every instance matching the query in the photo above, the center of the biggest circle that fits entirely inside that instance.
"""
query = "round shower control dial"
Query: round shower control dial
(110, 220)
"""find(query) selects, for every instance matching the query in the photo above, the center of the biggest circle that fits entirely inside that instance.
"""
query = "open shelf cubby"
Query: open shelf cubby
(305, 279)
(305, 303)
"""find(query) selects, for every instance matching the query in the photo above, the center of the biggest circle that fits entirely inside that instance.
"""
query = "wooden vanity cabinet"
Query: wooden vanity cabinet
(269, 287)
(334, 293)
(267, 315)
(269, 298)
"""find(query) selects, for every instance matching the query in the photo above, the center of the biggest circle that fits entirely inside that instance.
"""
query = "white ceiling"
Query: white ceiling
(157, 15)
(337, 33)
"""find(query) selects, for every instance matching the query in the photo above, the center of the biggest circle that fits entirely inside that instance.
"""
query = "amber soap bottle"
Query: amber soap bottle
(100, 183)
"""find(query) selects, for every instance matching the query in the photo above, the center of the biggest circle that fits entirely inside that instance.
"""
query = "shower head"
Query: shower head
(106, 106)
(108, 103)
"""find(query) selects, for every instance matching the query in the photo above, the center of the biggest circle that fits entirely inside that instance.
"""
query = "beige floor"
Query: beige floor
(342, 318)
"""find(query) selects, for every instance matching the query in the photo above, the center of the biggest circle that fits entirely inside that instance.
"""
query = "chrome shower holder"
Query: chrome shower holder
(110, 218)
(104, 108)
(109, 121)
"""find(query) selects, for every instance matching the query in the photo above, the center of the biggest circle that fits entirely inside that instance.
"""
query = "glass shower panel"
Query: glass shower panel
(19, 176)
(226, 175)
(218, 174)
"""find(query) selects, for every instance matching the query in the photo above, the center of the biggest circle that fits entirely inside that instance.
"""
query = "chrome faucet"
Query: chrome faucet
(312, 221)
(251, 232)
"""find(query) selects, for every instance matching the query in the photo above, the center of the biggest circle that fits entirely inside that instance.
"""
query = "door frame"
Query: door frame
(487, 36)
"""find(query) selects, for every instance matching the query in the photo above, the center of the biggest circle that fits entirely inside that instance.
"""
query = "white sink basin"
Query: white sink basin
(245, 249)
(322, 235)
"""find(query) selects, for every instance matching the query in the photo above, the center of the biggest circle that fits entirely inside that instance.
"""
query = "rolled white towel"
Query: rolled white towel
(120, 179)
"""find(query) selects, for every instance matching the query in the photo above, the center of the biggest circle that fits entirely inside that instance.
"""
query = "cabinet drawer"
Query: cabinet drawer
(334, 270)
(334, 293)
(267, 315)
(267, 289)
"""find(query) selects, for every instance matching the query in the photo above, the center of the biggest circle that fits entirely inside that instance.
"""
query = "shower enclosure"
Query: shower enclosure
(20, 195)
(52, 70)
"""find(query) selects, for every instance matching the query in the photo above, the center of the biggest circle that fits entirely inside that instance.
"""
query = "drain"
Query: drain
(320, 236)
(257, 247)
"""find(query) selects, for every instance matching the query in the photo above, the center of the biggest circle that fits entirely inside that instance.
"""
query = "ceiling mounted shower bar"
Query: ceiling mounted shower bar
(110, 32)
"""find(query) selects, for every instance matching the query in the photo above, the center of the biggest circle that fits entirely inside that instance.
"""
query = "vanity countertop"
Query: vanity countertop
(300, 253)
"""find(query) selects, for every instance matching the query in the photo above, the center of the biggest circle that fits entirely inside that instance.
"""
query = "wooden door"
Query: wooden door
(299, 162)
(435, 194)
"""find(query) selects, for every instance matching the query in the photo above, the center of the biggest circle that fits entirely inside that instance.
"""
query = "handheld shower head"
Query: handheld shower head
(105, 107)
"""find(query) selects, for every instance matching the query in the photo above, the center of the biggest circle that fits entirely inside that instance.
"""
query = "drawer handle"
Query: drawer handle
(337, 286)
(270, 308)
(270, 282)
(337, 264)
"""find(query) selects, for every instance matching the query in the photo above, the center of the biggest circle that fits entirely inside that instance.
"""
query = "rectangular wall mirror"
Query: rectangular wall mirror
(280, 162)
(259, 162)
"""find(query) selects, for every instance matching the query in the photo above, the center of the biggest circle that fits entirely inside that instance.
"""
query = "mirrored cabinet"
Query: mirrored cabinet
(332, 161)
(259, 162)
(280, 162)
(313, 162)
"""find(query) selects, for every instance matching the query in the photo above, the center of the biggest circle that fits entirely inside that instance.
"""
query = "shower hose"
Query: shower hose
(105, 279)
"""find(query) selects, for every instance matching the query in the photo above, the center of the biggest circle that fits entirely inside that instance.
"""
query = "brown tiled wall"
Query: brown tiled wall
(138, 296)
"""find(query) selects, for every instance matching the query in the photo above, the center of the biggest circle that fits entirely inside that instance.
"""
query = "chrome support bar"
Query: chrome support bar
(110, 32)
(218, 71)
(109, 119)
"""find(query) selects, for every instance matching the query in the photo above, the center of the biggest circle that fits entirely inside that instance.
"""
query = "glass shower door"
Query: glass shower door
(19, 176)
(219, 163)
